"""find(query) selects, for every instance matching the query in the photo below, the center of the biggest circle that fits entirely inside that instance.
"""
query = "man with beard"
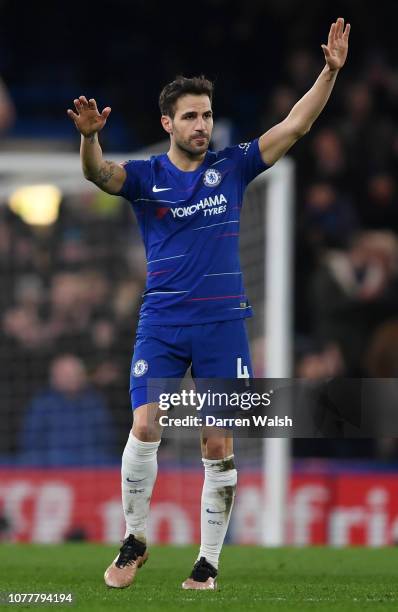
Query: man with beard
(188, 203)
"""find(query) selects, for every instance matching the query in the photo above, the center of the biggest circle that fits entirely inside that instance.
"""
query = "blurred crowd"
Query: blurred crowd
(347, 223)
(71, 292)
(346, 317)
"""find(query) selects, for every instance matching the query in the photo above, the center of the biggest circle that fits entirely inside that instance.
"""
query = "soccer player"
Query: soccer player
(188, 202)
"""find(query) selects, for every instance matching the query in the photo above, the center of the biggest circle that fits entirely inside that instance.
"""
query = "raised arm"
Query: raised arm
(278, 140)
(108, 175)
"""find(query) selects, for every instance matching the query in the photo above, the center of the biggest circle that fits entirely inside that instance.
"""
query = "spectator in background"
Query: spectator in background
(319, 362)
(380, 208)
(278, 105)
(72, 252)
(316, 363)
(125, 308)
(301, 68)
(7, 109)
(68, 320)
(324, 364)
(381, 362)
(366, 132)
(17, 254)
(352, 291)
(328, 218)
(68, 424)
(96, 289)
(29, 292)
(381, 359)
(109, 369)
(22, 324)
(328, 157)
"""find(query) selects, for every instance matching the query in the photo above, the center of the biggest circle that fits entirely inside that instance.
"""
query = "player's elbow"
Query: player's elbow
(301, 129)
(89, 176)
(306, 129)
(298, 127)
(93, 177)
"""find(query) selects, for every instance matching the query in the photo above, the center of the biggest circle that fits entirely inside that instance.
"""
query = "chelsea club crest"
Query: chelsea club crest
(140, 367)
(212, 177)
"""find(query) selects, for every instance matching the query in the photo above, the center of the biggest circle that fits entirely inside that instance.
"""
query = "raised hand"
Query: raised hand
(88, 120)
(337, 48)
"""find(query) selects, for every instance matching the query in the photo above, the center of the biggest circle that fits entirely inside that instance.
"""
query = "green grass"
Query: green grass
(251, 578)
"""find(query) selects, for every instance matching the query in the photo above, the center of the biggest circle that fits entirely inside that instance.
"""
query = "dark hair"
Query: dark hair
(181, 86)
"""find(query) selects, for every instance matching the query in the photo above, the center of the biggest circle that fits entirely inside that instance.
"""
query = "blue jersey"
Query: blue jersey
(189, 222)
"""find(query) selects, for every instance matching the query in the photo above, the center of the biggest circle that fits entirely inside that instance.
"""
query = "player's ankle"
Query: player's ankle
(210, 559)
(140, 537)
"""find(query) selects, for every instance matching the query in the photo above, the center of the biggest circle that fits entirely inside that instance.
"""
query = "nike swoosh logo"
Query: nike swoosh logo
(214, 511)
(157, 189)
(128, 480)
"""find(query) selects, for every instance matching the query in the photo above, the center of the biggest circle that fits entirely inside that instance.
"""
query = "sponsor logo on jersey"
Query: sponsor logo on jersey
(212, 177)
(245, 146)
(140, 367)
(210, 205)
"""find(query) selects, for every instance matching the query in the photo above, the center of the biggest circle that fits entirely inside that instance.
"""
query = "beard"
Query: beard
(194, 146)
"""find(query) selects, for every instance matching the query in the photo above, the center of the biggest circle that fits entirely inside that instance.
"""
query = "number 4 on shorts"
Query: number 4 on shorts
(242, 371)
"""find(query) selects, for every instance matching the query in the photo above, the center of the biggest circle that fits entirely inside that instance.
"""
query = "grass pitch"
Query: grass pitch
(250, 578)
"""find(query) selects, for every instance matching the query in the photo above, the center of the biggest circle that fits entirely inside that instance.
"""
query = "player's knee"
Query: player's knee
(146, 432)
(215, 448)
(146, 429)
(145, 425)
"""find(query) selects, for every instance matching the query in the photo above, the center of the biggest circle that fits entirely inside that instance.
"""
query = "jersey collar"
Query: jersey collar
(187, 173)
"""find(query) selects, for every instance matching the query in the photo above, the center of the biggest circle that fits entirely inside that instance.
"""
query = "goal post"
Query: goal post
(267, 259)
(278, 315)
